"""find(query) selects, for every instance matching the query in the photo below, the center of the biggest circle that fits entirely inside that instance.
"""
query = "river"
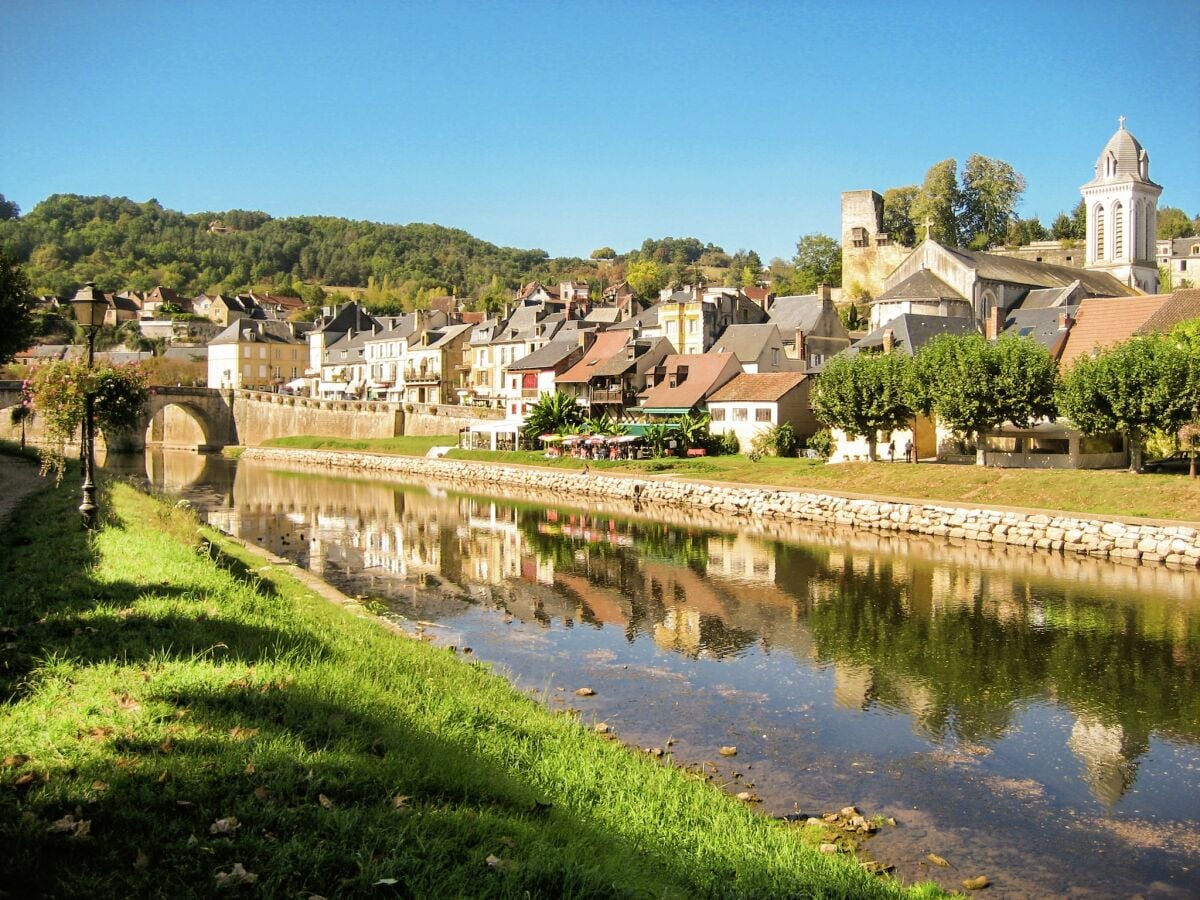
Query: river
(1027, 717)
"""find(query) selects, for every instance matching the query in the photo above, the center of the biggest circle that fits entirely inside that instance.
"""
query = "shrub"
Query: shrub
(821, 443)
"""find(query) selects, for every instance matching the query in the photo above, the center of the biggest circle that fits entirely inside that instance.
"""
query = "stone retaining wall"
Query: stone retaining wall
(1175, 545)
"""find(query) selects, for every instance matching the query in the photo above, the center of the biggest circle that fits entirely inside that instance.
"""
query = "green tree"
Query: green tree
(938, 203)
(749, 277)
(16, 310)
(604, 253)
(818, 260)
(1065, 228)
(973, 385)
(1141, 385)
(864, 393)
(991, 190)
(1022, 232)
(8, 209)
(555, 413)
(647, 278)
(1173, 222)
(692, 430)
(898, 215)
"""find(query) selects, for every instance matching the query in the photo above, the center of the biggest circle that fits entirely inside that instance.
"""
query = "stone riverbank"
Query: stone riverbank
(1146, 543)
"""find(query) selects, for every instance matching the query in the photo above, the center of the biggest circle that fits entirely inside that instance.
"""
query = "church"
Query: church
(1118, 257)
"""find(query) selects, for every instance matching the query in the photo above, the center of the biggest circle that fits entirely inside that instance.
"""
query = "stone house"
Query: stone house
(759, 348)
(535, 374)
(752, 403)
(257, 355)
(810, 327)
(683, 382)
(612, 372)
(1181, 258)
(434, 370)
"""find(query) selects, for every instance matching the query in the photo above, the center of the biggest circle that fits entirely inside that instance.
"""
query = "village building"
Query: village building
(385, 351)
(535, 374)
(435, 365)
(759, 348)
(257, 355)
(811, 329)
(614, 369)
(683, 382)
(1181, 259)
(751, 404)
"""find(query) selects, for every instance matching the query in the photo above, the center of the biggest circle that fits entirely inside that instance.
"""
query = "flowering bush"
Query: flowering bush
(59, 393)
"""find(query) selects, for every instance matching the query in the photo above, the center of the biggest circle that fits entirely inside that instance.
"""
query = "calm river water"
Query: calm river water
(1033, 719)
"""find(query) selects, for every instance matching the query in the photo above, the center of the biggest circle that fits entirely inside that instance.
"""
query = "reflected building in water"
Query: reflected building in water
(957, 645)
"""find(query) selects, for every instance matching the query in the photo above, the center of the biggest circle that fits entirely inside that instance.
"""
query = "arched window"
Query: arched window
(1099, 251)
(1118, 231)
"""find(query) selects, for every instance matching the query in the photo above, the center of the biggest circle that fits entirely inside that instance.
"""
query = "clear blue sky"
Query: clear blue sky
(569, 126)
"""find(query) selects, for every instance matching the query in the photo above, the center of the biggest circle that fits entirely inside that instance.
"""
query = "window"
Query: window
(670, 328)
(1118, 232)
(691, 326)
(246, 351)
(262, 352)
(262, 371)
(775, 356)
(762, 414)
(717, 413)
(858, 237)
(739, 414)
(1099, 232)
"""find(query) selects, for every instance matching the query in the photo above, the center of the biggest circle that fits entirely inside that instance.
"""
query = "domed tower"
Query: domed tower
(1122, 205)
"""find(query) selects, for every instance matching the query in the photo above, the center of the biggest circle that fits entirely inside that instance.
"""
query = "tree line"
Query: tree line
(973, 386)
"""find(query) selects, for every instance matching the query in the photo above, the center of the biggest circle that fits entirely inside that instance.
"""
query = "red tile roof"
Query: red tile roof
(606, 344)
(706, 372)
(1104, 322)
(1181, 306)
(764, 387)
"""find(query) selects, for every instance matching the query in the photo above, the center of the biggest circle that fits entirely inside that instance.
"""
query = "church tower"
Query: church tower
(1122, 206)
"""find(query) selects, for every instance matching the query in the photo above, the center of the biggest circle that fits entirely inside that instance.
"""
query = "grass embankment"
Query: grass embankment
(173, 719)
(1107, 492)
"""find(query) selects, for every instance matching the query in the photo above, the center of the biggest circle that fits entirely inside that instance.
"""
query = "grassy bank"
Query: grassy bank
(176, 720)
(1108, 492)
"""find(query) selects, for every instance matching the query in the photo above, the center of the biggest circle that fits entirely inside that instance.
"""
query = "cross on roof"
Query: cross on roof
(928, 225)
(1121, 119)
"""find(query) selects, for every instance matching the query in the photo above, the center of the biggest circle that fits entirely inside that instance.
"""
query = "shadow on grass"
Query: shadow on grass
(318, 794)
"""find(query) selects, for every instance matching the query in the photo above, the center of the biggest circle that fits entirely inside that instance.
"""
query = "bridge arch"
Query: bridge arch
(188, 417)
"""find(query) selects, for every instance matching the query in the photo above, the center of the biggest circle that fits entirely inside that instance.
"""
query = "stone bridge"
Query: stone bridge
(209, 419)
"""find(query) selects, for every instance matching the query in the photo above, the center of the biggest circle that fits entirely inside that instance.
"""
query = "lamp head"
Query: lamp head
(90, 305)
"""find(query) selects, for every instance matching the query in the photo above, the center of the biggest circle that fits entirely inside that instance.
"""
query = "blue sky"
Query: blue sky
(569, 126)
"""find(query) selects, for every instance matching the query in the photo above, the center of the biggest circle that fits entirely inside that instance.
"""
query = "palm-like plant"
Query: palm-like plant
(693, 429)
(555, 413)
(655, 437)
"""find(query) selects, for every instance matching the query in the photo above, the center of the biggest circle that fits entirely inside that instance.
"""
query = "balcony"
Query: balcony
(422, 376)
(615, 396)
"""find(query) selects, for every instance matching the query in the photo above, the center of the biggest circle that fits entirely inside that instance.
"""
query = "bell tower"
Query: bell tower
(1122, 208)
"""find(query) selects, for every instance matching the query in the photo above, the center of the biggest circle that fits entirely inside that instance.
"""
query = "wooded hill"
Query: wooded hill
(68, 239)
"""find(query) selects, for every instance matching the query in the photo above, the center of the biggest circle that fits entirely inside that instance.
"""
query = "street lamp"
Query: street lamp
(90, 305)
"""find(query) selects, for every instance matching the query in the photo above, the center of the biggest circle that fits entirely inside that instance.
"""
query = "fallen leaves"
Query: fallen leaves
(325, 802)
(228, 825)
(237, 875)
(937, 860)
(400, 801)
(71, 826)
(977, 883)
(11, 762)
(128, 704)
(237, 732)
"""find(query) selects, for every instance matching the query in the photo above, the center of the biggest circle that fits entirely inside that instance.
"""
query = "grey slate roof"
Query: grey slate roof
(1041, 325)
(913, 331)
(796, 311)
(546, 357)
(922, 285)
(1046, 298)
(648, 318)
(746, 342)
(1035, 274)
(265, 331)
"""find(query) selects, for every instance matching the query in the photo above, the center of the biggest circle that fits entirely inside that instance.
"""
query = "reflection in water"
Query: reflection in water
(968, 648)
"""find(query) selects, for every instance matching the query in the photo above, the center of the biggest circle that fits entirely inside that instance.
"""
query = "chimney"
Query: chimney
(994, 324)
(889, 340)
(1065, 321)
(801, 350)
(824, 292)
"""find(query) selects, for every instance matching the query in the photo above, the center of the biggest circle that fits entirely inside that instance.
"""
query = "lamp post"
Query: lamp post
(90, 306)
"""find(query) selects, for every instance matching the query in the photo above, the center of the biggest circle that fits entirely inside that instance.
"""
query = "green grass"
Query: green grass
(158, 689)
(416, 445)
(1108, 492)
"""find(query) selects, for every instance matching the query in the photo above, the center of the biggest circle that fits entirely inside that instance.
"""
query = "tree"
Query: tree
(692, 430)
(818, 261)
(973, 385)
(16, 310)
(898, 215)
(8, 209)
(1022, 232)
(991, 190)
(646, 277)
(1133, 388)
(555, 413)
(1064, 228)
(1173, 222)
(864, 393)
(938, 202)
(604, 253)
